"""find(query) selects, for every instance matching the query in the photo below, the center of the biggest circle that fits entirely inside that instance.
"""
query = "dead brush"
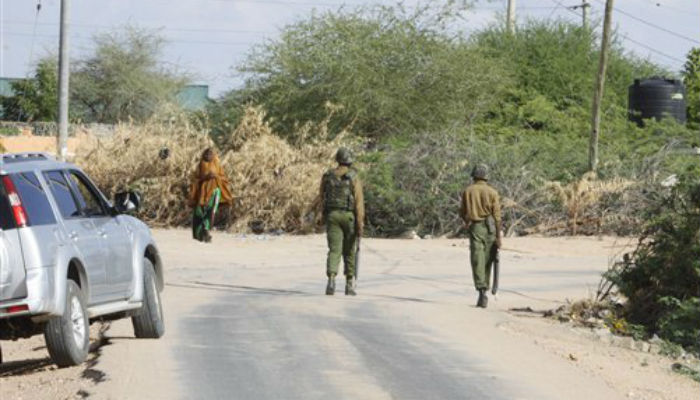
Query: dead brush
(274, 183)
(581, 195)
(586, 312)
(129, 160)
(278, 183)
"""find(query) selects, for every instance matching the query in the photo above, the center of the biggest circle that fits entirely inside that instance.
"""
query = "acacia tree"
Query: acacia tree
(388, 70)
(34, 99)
(124, 78)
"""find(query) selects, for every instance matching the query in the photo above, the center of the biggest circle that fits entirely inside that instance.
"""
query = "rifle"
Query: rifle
(496, 269)
(357, 259)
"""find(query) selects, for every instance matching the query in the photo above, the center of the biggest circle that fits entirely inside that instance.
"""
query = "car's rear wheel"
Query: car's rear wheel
(68, 336)
(148, 323)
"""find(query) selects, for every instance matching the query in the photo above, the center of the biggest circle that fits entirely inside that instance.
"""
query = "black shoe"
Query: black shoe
(483, 299)
(350, 287)
(330, 288)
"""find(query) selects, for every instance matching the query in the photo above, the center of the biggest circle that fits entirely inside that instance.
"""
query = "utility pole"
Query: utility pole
(510, 17)
(63, 77)
(585, 5)
(600, 85)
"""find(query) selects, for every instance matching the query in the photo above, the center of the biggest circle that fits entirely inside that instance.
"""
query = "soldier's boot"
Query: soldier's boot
(483, 299)
(350, 287)
(330, 287)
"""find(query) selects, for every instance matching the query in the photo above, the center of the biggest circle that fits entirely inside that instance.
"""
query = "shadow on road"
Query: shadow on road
(24, 367)
(400, 298)
(239, 288)
(90, 372)
(279, 292)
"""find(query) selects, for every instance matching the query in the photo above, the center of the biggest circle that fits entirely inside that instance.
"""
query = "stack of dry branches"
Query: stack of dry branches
(274, 182)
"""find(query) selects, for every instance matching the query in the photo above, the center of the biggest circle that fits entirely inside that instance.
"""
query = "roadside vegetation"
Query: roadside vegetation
(274, 180)
(121, 80)
(661, 278)
(430, 102)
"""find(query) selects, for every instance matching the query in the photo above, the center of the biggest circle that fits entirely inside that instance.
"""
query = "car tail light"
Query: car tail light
(16, 309)
(16, 203)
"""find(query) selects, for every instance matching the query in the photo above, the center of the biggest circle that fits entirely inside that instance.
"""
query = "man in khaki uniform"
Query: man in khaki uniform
(480, 202)
(344, 213)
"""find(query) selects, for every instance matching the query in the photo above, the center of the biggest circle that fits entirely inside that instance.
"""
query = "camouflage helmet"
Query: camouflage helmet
(480, 171)
(343, 156)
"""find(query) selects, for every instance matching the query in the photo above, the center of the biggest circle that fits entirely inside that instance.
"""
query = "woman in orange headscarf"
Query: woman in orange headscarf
(209, 189)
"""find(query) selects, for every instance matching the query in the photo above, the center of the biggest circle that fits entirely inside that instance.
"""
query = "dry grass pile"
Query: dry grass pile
(580, 198)
(275, 183)
(129, 160)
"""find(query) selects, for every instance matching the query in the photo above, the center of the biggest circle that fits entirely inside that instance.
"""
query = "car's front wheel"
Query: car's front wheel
(68, 336)
(148, 323)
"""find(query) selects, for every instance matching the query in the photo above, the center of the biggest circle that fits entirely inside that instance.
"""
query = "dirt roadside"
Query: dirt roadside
(537, 272)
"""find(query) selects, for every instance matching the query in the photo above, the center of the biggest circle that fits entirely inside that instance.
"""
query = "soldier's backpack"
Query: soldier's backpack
(338, 191)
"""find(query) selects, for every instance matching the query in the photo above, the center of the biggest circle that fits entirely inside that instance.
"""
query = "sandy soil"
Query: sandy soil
(411, 282)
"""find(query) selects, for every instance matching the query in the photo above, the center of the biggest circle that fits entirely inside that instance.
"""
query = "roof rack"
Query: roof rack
(30, 156)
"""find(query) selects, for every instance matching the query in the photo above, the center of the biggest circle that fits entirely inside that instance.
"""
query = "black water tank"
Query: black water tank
(657, 98)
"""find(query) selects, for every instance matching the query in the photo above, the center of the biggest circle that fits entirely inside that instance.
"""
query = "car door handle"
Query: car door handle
(102, 234)
(59, 236)
(73, 235)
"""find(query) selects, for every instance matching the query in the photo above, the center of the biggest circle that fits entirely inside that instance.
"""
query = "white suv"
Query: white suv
(68, 257)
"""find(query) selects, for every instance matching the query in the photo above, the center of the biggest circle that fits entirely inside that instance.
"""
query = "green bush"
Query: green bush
(9, 130)
(392, 72)
(661, 278)
(691, 79)
(431, 102)
(414, 183)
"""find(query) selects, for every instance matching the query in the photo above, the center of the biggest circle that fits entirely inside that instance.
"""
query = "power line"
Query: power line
(286, 3)
(661, 28)
(653, 50)
(561, 5)
(31, 56)
(73, 24)
(344, 4)
(82, 37)
(672, 8)
(627, 38)
(85, 25)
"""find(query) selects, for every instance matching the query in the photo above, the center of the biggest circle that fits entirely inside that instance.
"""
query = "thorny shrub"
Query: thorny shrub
(661, 277)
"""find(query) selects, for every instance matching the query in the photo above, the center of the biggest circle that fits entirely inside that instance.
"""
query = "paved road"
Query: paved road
(246, 318)
(254, 344)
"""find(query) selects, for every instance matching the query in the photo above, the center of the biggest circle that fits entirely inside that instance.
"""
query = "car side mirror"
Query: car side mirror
(127, 202)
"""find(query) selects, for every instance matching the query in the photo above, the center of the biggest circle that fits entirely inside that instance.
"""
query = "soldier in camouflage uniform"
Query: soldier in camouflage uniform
(344, 212)
(480, 205)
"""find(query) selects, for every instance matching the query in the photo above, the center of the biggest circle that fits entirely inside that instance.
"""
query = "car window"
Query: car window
(62, 194)
(34, 199)
(88, 200)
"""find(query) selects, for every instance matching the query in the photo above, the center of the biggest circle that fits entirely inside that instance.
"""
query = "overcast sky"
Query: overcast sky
(208, 37)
